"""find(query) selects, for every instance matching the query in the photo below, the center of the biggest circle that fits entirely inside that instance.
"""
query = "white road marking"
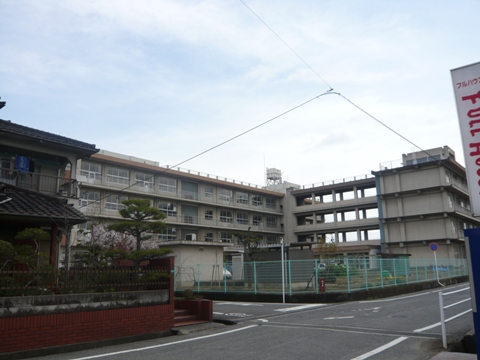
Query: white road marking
(438, 324)
(238, 304)
(217, 313)
(163, 345)
(340, 317)
(381, 348)
(301, 307)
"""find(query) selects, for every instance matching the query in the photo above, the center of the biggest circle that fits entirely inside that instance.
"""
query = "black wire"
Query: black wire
(331, 89)
(212, 148)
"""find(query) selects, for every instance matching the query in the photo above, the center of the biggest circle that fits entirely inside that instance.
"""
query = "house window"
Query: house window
(226, 216)
(271, 203)
(208, 214)
(114, 202)
(168, 234)
(88, 197)
(271, 221)
(167, 184)
(91, 170)
(225, 195)
(242, 198)
(242, 218)
(257, 220)
(209, 192)
(144, 181)
(169, 209)
(209, 236)
(256, 200)
(117, 176)
(225, 237)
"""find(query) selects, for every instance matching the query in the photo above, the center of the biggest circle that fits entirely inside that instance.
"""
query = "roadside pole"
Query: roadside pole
(472, 244)
(283, 271)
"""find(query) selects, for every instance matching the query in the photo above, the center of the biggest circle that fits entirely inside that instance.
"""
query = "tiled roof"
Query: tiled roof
(8, 127)
(16, 202)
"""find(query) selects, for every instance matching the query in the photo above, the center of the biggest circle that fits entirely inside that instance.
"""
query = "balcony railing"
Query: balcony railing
(47, 184)
(173, 193)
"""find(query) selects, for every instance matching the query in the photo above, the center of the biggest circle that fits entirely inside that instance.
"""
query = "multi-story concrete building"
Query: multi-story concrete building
(398, 210)
(345, 212)
(203, 211)
(425, 200)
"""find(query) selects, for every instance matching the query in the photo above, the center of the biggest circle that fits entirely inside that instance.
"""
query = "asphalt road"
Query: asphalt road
(405, 327)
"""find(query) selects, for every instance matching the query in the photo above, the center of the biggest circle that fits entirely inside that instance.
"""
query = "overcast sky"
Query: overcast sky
(167, 79)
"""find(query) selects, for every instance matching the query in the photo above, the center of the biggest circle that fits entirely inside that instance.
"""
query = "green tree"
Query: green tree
(36, 235)
(141, 221)
(250, 242)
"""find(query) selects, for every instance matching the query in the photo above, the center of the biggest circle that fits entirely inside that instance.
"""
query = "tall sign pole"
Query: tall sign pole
(466, 87)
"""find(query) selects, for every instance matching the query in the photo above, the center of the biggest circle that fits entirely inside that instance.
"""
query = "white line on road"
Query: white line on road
(438, 324)
(238, 304)
(301, 307)
(340, 317)
(163, 345)
(381, 348)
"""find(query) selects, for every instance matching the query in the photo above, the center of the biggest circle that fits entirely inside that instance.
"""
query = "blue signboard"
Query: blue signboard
(472, 244)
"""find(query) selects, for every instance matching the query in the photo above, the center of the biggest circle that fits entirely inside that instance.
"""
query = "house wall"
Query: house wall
(35, 322)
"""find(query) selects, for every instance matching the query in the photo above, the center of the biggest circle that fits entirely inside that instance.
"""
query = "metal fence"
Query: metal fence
(82, 280)
(313, 276)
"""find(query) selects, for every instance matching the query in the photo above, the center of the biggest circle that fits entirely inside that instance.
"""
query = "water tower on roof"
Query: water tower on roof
(274, 176)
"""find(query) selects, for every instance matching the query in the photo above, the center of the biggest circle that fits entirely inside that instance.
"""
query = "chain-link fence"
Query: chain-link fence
(315, 276)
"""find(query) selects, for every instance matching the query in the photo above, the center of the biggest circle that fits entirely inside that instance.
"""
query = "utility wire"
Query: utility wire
(214, 147)
(331, 89)
(383, 124)
(285, 43)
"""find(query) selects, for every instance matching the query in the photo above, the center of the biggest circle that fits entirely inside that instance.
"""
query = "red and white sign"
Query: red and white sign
(466, 86)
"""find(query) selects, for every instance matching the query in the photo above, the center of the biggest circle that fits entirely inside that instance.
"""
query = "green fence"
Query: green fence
(314, 276)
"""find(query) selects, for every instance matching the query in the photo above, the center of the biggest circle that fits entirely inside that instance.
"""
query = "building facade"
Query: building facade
(202, 211)
(423, 201)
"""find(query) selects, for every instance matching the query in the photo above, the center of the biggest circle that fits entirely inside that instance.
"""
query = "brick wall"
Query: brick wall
(41, 331)
(28, 332)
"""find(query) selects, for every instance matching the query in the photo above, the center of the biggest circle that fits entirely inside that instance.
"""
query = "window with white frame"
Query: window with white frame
(114, 202)
(257, 220)
(226, 216)
(89, 197)
(168, 234)
(167, 184)
(91, 170)
(256, 200)
(169, 209)
(271, 221)
(118, 176)
(209, 192)
(225, 195)
(144, 181)
(242, 198)
(242, 218)
(209, 236)
(225, 237)
(208, 214)
(271, 203)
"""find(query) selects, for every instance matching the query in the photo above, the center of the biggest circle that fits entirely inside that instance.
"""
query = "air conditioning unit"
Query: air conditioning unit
(191, 237)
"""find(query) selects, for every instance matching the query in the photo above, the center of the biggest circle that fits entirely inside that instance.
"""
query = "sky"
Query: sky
(166, 80)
